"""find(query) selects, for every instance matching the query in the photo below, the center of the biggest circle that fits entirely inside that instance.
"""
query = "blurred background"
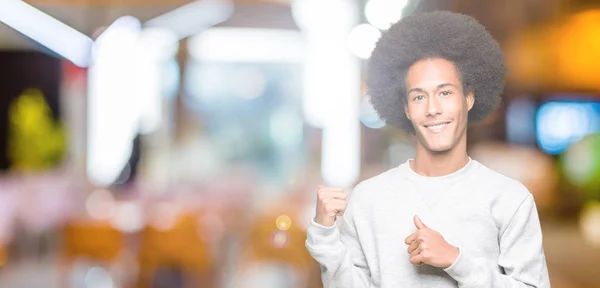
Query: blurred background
(152, 143)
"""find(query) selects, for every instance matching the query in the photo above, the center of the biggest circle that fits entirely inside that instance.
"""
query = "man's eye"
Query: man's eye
(446, 93)
(419, 97)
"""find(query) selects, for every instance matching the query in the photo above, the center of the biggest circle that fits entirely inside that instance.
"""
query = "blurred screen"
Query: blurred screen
(562, 123)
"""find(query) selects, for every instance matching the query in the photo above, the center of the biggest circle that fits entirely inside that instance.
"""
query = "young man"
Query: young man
(440, 219)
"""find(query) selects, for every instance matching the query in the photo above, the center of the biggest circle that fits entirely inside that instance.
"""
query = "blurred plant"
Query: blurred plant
(581, 165)
(35, 141)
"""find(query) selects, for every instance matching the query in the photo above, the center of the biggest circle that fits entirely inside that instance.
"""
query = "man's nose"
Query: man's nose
(433, 106)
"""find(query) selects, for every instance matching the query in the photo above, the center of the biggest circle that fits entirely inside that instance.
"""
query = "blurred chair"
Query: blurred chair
(280, 254)
(3, 255)
(94, 241)
(175, 252)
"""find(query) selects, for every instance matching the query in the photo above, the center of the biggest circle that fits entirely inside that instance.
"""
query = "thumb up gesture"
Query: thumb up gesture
(427, 246)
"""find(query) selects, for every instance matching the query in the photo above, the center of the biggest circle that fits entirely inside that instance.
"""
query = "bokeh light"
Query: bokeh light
(581, 163)
(383, 13)
(128, 217)
(283, 222)
(280, 239)
(100, 204)
(164, 216)
(97, 277)
(590, 223)
(577, 49)
(368, 115)
(559, 124)
(362, 40)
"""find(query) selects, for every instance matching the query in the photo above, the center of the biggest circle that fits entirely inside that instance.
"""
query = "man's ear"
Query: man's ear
(406, 111)
(470, 100)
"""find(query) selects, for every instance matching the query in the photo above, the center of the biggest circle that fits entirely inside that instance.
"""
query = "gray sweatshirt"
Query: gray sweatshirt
(491, 218)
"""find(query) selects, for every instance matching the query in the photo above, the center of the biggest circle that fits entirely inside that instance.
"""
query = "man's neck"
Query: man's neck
(431, 164)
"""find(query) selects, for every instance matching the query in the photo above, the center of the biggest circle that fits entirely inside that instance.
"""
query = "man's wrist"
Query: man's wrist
(325, 222)
(452, 256)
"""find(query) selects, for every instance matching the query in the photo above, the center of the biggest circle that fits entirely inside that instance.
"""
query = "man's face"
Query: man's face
(436, 104)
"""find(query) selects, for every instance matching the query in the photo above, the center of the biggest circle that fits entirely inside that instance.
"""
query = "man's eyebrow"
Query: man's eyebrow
(446, 84)
(417, 89)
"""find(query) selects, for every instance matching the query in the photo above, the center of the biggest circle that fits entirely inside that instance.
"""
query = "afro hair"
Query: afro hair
(455, 37)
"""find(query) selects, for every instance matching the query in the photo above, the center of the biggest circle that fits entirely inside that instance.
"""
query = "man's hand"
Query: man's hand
(331, 202)
(427, 246)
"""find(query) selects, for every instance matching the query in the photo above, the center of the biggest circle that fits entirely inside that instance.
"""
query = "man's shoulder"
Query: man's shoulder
(369, 188)
(375, 183)
(500, 184)
(368, 193)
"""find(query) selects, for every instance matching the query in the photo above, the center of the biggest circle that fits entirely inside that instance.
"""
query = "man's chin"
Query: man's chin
(438, 149)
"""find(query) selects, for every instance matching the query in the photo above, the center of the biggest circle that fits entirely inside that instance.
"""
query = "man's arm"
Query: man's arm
(343, 264)
(521, 256)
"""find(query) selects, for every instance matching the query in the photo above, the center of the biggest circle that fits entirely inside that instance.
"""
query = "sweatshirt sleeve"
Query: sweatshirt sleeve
(342, 262)
(521, 256)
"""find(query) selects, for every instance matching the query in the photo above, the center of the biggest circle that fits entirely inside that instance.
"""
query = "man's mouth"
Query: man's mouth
(436, 127)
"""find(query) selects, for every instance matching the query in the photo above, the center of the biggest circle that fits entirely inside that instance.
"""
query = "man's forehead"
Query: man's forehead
(432, 73)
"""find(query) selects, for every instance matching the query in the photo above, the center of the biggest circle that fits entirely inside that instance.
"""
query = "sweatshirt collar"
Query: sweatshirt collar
(453, 177)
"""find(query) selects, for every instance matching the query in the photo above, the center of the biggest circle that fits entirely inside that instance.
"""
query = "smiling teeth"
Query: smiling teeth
(437, 127)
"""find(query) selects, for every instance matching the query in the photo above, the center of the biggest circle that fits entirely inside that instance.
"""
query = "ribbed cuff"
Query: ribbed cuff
(465, 270)
(322, 237)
